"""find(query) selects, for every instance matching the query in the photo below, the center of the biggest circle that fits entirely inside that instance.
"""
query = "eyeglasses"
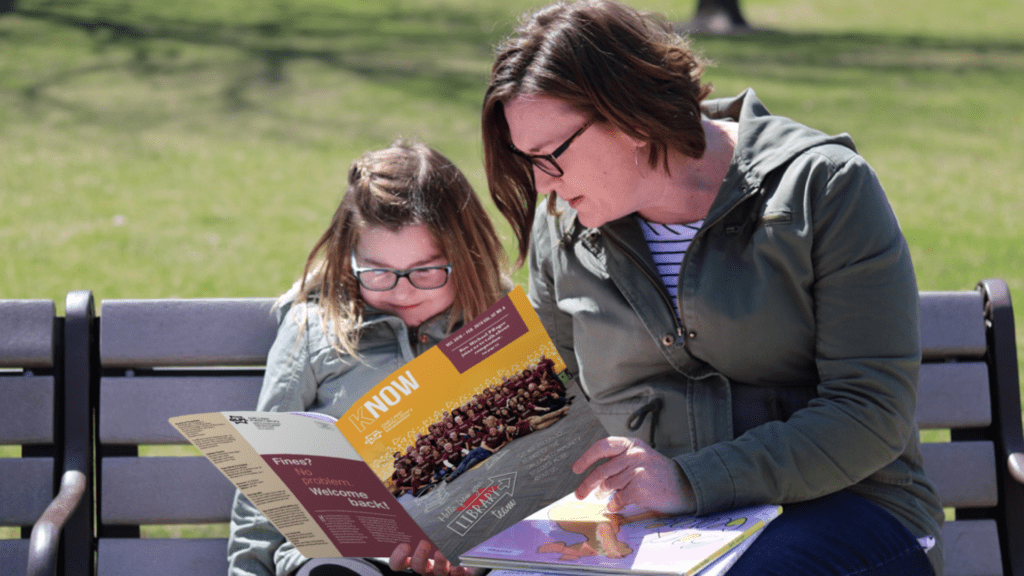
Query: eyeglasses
(384, 279)
(546, 162)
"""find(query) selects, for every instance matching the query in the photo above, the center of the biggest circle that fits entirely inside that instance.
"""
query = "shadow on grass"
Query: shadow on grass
(869, 52)
(445, 56)
(416, 46)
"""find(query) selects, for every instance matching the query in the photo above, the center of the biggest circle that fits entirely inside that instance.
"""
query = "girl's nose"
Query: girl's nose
(403, 290)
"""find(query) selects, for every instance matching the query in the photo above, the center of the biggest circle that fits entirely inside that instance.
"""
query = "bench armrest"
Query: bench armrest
(1016, 464)
(42, 556)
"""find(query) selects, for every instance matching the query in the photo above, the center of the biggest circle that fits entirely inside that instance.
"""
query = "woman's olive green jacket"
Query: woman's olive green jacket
(789, 369)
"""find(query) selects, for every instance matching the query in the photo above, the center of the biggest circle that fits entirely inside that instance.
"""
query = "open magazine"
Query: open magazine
(573, 536)
(373, 479)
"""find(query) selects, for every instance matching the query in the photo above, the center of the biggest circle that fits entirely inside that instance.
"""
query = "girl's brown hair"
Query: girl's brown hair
(609, 62)
(405, 184)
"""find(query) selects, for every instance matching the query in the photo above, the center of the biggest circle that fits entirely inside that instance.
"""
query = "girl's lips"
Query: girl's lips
(575, 202)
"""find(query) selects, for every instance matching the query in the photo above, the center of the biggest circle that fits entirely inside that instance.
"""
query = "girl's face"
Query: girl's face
(410, 247)
(601, 178)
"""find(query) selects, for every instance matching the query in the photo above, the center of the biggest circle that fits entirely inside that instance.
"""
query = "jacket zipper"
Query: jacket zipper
(658, 285)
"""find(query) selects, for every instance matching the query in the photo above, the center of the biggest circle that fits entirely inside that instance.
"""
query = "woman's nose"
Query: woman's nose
(543, 182)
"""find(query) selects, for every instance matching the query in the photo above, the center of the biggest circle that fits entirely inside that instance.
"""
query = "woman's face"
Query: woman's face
(409, 247)
(601, 172)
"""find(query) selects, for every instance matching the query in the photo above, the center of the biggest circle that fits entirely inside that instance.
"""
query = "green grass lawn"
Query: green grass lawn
(198, 148)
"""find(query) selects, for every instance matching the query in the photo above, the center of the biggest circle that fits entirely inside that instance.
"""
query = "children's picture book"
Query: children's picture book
(460, 443)
(718, 567)
(573, 536)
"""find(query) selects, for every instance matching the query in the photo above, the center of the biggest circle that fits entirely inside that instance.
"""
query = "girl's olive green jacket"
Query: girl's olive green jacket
(789, 369)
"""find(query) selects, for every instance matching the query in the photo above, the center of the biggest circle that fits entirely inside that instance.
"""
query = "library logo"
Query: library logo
(483, 501)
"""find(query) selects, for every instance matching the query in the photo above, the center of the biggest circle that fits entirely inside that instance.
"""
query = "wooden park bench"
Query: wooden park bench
(970, 386)
(163, 358)
(158, 359)
(42, 491)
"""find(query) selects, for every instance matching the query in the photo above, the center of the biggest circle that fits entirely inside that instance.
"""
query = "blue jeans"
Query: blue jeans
(838, 534)
(475, 455)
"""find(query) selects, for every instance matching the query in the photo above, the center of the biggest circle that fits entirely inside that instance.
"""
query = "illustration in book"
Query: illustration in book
(574, 536)
(460, 443)
(718, 567)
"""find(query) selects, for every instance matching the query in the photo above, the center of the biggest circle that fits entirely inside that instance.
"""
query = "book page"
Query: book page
(488, 365)
(575, 536)
(306, 479)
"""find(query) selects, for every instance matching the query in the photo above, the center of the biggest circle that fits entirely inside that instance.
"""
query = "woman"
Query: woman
(731, 286)
(409, 254)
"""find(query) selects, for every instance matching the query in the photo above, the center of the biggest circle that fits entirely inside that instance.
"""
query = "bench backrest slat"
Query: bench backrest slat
(162, 557)
(135, 409)
(186, 332)
(962, 473)
(954, 395)
(952, 325)
(26, 409)
(26, 489)
(158, 481)
(972, 548)
(26, 333)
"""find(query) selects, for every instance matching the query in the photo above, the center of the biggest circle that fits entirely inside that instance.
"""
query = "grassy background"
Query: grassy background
(198, 148)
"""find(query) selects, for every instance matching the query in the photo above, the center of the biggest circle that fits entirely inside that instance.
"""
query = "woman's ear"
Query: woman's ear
(638, 141)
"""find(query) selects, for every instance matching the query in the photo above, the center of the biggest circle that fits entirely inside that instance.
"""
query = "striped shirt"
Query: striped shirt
(668, 244)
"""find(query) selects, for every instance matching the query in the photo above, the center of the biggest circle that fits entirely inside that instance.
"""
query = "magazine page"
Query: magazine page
(479, 431)
(306, 479)
(575, 536)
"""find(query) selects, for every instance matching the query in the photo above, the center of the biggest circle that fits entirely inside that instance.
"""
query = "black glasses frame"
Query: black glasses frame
(357, 270)
(546, 162)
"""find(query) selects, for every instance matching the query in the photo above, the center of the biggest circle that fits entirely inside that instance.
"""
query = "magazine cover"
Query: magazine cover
(575, 536)
(467, 439)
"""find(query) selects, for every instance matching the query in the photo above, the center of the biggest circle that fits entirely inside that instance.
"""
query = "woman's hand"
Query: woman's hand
(422, 562)
(636, 474)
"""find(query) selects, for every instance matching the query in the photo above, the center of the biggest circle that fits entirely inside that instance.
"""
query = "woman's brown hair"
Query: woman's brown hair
(608, 61)
(405, 184)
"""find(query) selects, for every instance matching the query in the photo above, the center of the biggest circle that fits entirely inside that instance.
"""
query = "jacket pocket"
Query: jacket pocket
(677, 414)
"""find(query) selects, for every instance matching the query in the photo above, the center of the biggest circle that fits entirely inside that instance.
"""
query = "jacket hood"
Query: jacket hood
(765, 141)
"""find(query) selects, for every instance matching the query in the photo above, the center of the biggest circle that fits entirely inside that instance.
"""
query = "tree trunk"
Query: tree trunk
(717, 17)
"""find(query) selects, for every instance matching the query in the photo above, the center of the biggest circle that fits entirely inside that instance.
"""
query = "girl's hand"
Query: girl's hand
(422, 562)
(636, 474)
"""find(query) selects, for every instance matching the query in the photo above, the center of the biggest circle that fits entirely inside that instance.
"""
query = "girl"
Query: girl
(409, 254)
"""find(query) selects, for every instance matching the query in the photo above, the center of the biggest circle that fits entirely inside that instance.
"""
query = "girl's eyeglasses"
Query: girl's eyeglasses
(384, 279)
